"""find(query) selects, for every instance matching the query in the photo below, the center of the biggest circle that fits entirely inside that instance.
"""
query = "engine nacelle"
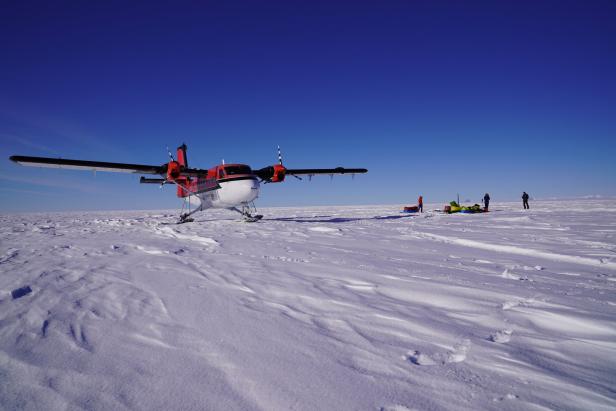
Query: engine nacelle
(279, 173)
(272, 174)
(173, 170)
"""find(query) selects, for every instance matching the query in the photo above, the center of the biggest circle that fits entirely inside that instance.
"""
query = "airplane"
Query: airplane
(227, 186)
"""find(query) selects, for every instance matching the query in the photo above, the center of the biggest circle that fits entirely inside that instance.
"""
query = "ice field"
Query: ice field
(315, 308)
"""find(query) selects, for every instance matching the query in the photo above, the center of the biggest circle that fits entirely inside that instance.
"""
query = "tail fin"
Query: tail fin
(181, 155)
(183, 162)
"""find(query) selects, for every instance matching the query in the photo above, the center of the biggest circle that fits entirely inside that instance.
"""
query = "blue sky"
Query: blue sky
(434, 97)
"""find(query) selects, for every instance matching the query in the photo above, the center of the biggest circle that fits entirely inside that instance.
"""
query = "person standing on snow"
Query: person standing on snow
(486, 202)
(420, 204)
(525, 201)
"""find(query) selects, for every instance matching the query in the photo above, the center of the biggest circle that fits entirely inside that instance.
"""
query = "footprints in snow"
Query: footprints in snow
(285, 259)
(79, 336)
(170, 232)
(321, 229)
(151, 251)
(501, 337)
(512, 276)
(507, 305)
(419, 358)
(460, 350)
(508, 274)
(44, 328)
(457, 354)
(396, 407)
(147, 250)
(506, 397)
(9, 255)
(360, 286)
(504, 336)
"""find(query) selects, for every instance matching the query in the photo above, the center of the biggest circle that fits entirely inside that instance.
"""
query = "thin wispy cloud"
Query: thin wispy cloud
(28, 143)
(55, 183)
(22, 191)
(32, 119)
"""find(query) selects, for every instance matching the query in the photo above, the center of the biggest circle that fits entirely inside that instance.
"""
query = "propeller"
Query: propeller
(272, 174)
(173, 169)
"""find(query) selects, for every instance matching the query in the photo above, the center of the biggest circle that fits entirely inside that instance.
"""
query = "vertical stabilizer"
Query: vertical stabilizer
(181, 155)
(183, 162)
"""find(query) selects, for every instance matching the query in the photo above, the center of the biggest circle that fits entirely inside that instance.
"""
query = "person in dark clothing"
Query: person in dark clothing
(420, 204)
(525, 201)
(486, 202)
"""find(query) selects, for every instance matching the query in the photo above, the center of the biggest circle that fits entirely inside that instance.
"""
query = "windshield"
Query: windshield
(240, 169)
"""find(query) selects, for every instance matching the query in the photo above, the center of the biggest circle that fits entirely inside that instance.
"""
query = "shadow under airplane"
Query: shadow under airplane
(330, 219)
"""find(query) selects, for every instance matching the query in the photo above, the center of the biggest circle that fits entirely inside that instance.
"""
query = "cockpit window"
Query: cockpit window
(233, 170)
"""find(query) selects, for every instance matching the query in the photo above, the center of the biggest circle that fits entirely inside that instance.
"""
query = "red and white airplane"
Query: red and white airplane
(224, 186)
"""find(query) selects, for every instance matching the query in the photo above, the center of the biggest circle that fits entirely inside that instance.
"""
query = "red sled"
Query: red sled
(411, 209)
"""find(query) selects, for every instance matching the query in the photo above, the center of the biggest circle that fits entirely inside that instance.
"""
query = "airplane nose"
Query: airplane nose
(240, 191)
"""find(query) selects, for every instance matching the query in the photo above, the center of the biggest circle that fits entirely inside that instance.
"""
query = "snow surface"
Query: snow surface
(328, 308)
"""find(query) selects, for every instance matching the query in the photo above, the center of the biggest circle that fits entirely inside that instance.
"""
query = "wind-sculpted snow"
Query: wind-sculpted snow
(328, 308)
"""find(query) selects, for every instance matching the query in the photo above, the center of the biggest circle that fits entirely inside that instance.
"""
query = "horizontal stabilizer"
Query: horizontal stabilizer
(144, 180)
(194, 172)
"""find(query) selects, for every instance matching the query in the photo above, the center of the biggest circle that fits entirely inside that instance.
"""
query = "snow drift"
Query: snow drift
(341, 308)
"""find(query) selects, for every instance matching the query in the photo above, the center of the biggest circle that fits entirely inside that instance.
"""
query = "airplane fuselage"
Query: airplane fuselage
(226, 186)
(232, 192)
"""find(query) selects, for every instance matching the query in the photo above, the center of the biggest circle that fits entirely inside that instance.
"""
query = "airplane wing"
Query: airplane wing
(87, 165)
(313, 171)
(276, 173)
(99, 166)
